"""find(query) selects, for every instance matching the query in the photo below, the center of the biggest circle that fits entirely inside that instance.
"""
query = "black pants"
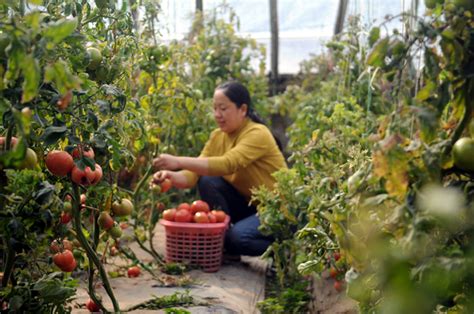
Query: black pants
(243, 236)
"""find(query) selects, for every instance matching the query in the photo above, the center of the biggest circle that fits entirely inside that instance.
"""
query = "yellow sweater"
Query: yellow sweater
(245, 158)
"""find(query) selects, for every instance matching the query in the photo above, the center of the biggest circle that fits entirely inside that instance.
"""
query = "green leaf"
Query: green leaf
(426, 91)
(59, 30)
(53, 290)
(374, 36)
(120, 97)
(60, 74)
(449, 33)
(53, 133)
(15, 156)
(32, 74)
(377, 56)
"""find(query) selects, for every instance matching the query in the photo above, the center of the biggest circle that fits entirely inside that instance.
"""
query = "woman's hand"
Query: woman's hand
(177, 178)
(166, 162)
(161, 176)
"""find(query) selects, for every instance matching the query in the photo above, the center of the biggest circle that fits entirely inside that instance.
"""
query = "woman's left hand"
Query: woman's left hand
(166, 162)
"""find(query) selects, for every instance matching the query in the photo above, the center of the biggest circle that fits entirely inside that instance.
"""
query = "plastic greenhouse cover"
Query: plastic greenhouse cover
(304, 26)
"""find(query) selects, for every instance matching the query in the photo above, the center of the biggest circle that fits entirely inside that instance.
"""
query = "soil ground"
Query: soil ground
(235, 288)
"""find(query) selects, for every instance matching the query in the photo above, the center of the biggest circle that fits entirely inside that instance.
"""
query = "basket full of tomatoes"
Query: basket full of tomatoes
(195, 235)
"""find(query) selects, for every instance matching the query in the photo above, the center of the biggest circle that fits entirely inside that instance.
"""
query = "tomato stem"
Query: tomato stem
(9, 263)
(93, 258)
(468, 104)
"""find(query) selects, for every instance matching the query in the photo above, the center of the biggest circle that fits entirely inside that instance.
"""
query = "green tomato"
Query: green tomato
(115, 232)
(95, 58)
(463, 153)
(156, 188)
(67, 207)
(30, 161)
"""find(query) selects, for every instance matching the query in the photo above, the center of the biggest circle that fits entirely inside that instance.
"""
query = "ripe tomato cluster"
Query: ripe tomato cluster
(336, 270)
(196, 212)
(162, 187)
(61, 164)
(63, 256)
(66, 215)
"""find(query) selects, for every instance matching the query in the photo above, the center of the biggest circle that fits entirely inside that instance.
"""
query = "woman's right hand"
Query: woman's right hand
(161, 176)
(177, 178)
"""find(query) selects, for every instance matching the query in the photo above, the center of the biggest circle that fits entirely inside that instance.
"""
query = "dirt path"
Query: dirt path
(235, 288)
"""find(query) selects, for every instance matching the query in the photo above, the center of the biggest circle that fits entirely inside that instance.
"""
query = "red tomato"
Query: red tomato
(184, 206)
(199, 206)
(183, 215)
(133, 271)
(87, 151)
(166, 185)
(220, 215)
(105, 221)
(333, 272)
(337, 256)
(56, 246)
(338, 285)
(160, 206)
(83, 177)
(212, 218)
(59, 163)
(91, 306)
(169, 214)
(65, 261)
(3, 140)
(201, 217)
(65, 218)
(98, 174)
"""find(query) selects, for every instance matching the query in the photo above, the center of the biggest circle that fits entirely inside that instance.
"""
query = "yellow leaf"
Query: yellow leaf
(315, 135)
(380, 164)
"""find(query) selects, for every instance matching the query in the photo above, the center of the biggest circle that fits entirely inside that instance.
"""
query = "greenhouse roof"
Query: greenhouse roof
(304, 26)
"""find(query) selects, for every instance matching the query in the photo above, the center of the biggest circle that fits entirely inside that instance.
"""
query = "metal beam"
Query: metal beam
(341, 16)
(274, 46)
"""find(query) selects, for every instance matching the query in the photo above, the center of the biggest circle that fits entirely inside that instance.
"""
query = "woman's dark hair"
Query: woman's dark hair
(239, 95)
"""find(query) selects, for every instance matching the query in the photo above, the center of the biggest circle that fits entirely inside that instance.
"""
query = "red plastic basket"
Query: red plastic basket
(195, 243)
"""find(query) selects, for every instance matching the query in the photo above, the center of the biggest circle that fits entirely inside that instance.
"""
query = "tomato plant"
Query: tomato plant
(380, 189)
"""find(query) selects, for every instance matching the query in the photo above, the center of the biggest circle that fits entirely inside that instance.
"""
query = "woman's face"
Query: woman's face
(228, 116)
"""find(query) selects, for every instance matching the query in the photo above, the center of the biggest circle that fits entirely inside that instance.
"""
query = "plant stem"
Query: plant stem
(92, 294)
(90, 252)
(130, 255)
(157, 255)
(141, 183)
(9, 263)
(468, 104)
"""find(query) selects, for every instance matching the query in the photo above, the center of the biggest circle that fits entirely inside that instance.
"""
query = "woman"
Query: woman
(240, 155)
